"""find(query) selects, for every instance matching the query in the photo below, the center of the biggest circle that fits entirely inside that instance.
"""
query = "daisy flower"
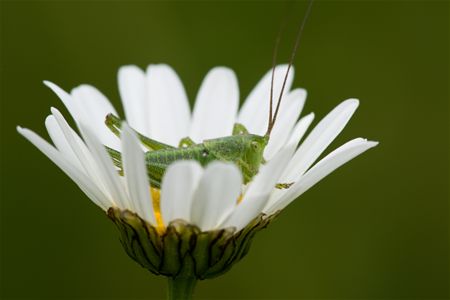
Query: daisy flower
(202, 219)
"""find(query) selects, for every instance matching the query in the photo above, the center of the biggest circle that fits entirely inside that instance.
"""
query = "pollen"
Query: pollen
(239, 199)
(156, 201)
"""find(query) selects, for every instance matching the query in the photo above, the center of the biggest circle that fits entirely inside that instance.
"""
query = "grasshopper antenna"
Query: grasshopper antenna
(273, 118)
(274, 62)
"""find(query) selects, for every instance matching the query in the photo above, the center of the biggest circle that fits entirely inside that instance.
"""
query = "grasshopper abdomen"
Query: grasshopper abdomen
(158, 161)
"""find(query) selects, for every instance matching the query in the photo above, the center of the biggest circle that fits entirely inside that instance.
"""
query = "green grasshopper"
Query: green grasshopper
(242, 148)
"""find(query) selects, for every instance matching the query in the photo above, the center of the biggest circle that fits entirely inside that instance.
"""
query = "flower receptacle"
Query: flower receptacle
(183, 250)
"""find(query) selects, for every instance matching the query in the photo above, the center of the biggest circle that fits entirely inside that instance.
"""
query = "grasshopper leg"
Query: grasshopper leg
(186, 142)
(114, 124)
(283, 186)
(239, 129)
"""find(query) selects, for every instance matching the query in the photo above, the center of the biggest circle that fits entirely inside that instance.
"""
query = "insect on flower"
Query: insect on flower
(244, 149)
(180, 207)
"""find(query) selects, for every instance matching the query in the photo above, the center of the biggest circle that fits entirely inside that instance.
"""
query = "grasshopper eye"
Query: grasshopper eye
(255, 145)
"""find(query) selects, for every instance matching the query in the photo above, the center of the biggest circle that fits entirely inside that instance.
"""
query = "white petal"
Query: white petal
(300, 128)
(289, 112)
(258, 193)
(66, 99)
(136, 175)
(254, 114)
(324, 167)
(168, 108)
(84, 156)
(319, 139)
(90, 106)
(245, 212)
(85, 184)
(93, 107)
(216, 105)
(60, 141)
(108, 172)
(133, 92)
(216, 195)
(177, 189)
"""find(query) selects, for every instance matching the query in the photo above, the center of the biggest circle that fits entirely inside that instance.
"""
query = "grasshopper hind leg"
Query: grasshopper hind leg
(115, 124)
(155, 171)
(116, 157)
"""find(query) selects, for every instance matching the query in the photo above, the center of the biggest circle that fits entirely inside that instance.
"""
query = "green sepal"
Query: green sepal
(238, 246)
(139, 239)
(183, 250)
(187, 234)
(223, 252)
(201, 252)
(171, 261)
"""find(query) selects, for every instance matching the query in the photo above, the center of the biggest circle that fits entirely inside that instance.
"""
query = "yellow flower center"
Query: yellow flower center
(156, 201)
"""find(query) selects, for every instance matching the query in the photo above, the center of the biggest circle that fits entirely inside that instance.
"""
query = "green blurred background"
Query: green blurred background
(378, 228)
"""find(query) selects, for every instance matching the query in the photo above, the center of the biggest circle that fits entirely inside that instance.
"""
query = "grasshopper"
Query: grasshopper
(242, 148)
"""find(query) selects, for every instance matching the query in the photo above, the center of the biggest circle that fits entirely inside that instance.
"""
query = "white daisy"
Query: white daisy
(202, 219)
(211, 198)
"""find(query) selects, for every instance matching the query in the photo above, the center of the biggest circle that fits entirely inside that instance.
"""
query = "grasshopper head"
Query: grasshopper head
(254, 154)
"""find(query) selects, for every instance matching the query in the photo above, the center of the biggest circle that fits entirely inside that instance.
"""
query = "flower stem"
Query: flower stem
(181, 288)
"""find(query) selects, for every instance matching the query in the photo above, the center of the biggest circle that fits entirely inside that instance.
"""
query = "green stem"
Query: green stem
(181, 288)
